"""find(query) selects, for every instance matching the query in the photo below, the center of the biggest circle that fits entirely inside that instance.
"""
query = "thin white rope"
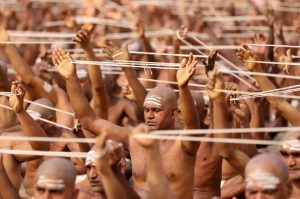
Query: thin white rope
(276, 63)
(39, 104)
(37, 42)
(274, 45)
(44, 153)
(42, 119)
(209, 139)
(225, 131)
(234, 18)
(94, 20)
(48, 139)
(228, 62)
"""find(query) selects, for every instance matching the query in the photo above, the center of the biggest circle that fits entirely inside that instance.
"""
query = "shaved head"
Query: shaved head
(160, 108)
(167, 95)
(55, 177)
(267, 174)
(58, 168)
(44, 112)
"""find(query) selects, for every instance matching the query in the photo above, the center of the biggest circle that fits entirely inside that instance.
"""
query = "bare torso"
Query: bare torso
(208, 171)
(178, 166)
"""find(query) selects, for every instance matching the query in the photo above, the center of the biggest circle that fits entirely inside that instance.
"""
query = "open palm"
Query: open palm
(186, 70)
(63, 63)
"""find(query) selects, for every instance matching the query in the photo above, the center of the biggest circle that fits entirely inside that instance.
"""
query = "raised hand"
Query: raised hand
(209, 63)
(259, 39)
(63, 63)
(143, 142)
(241, 111)
(214, 83)
(83, 36)
(283, 57)
(17, 98)
(127, 92)
(115, 53)
(245, 54)
(108, 152)
(186, 70)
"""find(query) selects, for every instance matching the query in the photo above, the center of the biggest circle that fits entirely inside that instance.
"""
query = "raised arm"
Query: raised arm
(100, 97)
(158, 185)
(235, 157)
(138, 89)
(24, 71)
(107, 157)
(188, 108)
(290, 113)
(83, 111)
(29, 126)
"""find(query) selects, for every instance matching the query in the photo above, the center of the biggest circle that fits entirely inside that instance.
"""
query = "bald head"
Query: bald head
(41, 111)
(267, 172)
(268, 162)
(58, 168)
(55, 178)
(166, 94)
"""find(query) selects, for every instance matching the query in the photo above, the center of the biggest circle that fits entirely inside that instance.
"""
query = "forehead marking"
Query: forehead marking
(263, 180)
(293, 145)
(43, 181)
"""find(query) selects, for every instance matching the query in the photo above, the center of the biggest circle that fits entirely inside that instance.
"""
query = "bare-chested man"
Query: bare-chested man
(55, 178)
(160, 107)
(289, 151)
(12, 163)
(95, 188)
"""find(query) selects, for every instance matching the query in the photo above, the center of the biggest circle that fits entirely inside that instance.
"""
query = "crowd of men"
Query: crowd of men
(188, 114)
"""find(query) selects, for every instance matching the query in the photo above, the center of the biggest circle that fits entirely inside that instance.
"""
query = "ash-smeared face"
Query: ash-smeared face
(262, 184)
(290, 152)
(156, 112)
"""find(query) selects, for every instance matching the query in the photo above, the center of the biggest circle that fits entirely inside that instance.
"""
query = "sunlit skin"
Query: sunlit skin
(158, 117)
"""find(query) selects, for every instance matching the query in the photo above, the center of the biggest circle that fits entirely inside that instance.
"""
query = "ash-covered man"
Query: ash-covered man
(290, 153)
(94, 189)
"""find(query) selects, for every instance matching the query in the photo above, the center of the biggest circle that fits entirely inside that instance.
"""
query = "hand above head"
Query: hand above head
(17, 98)
(214, 83)
(283, 57)
(209, 63)
(83, 37)
(259, 50)
(237, 106)
(63, 63)
(127, 92)
(115, 53)
(245, 54)
(186, 70)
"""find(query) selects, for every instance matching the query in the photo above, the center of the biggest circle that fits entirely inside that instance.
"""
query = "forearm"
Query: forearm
(100, 96)
(112, 186)
(7, 190)
(288, 112)
(80, 104)
(188, 109)
(19, 64)
(136, 86)
(88, 118)
(148, 48)
(31, 128)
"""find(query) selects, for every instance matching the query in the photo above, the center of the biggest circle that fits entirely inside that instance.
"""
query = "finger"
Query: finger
(190, 59)
(183, 63)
